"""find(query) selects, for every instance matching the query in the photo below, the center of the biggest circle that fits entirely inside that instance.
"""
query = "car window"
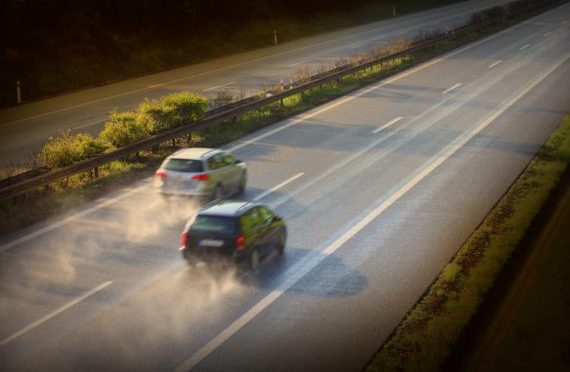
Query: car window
(250, 221)
(215, 162)
(214, 224)
(246, 223)
(265, 213)
(229, 159)
(256, 217)
(184, 165)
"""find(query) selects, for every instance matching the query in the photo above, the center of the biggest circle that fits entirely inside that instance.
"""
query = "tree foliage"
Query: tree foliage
(67, 149)
(124, 128)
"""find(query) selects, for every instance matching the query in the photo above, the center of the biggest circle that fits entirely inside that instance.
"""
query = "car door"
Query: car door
(270, 226)
(233, 172)
(215, 171)
(249, 226)
(223, 172)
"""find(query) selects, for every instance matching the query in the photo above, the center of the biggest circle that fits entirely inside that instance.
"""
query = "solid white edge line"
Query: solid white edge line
(54, 313)
(218, 86)
(277, 187)
(219, 339)
(295, 64)
(356, 45)
(524, 47)
(390, 123)
(307, 116)
(495, 64)
(88, 124)
(452, 88)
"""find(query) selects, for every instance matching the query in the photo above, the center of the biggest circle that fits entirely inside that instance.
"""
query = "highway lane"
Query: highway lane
(421, 185)
(25, 129)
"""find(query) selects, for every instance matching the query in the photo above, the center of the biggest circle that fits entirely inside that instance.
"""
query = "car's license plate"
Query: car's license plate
(211, 243)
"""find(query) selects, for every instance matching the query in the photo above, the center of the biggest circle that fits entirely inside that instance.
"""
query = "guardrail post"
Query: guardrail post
(18, 92)
(275, 37)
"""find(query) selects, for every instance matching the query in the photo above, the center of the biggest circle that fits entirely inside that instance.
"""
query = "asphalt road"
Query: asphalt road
(379, 190)
(25, 129)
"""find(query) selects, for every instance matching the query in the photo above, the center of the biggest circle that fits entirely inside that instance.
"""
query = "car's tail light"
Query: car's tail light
(161, 174)
(240, 242)
(184, 239)
(200, 177)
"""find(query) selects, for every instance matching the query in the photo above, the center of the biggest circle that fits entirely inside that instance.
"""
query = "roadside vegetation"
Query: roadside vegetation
(522, 325)
(155, 116)
(423, 341)
(68, 45)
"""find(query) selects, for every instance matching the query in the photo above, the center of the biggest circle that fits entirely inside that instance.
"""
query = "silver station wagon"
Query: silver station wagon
(201, 172)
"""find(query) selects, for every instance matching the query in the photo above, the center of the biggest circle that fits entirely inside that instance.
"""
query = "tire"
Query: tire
(254, 260)
(281, 244)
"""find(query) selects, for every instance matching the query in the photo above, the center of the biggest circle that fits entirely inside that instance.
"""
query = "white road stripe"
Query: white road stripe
(452, 88)
(67, 220)
(271, 132)
(546, 34)
(330, 106)
(356, 45)
(233, 328)
(495, 64)
(218, 86)
(277, 187)
(54, 313)
(88, 124)
(391, 122)
(524, 47)
(296, 63)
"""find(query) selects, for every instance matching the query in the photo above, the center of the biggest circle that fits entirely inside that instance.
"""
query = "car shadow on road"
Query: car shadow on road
(306, 272)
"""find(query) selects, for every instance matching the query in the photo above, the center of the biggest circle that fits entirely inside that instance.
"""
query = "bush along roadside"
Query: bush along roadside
(155, 116)
(424, 339)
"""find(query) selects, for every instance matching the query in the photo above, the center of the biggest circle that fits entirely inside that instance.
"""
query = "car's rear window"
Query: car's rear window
(214, 224)
(184, 165)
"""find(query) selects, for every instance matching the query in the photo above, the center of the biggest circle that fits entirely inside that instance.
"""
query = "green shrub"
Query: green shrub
(172, 111)
(124, 128)
(67, 149)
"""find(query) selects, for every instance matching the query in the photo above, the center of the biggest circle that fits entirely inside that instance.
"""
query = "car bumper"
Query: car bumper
(182, 192)
(211, 259)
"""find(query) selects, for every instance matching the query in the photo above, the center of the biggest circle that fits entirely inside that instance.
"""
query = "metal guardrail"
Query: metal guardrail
(22, 176)
(223, 113)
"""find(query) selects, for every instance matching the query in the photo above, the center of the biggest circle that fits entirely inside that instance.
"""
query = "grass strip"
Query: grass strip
(39, 204)
(424, 339)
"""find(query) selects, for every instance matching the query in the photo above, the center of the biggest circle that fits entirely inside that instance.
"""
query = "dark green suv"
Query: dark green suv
(235, 232)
